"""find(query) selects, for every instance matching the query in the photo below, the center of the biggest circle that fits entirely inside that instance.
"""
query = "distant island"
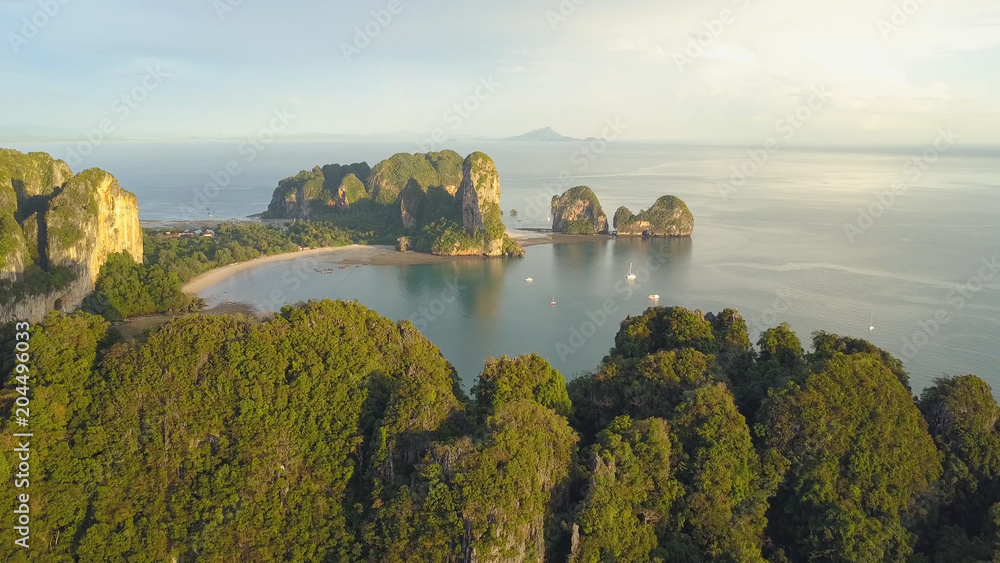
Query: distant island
(436, 202)
(545, 134)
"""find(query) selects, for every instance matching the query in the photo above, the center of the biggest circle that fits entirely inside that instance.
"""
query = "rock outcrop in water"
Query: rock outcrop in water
(578, 212)
(668, 217)
(479, 196)
(449, 205)
(52, 220)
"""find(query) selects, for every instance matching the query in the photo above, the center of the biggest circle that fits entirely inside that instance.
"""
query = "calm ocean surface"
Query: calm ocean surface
(774, 247)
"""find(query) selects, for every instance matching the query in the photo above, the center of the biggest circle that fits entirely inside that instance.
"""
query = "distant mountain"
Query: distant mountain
(546, 134)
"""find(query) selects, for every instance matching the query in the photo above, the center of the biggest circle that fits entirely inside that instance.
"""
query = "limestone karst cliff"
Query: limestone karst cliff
(668, 217)
(435, 169)
(578, 212)
(428, 196)
(479, 196)
(52, 220)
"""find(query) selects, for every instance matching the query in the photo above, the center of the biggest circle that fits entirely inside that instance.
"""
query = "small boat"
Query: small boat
(529, 280)
(553, 300)
(630, 275)
(654, 297)
(871, 323)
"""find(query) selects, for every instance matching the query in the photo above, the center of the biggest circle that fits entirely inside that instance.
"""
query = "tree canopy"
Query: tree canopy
(329, 433)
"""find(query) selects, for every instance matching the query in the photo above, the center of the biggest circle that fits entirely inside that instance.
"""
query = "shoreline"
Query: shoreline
(370, 255)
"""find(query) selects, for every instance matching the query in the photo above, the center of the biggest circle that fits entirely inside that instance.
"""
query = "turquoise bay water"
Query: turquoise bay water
(774, 247)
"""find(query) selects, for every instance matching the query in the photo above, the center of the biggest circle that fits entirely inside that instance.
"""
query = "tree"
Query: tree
(962, 415)
(629, 493)
(528, 377)
(856, 458)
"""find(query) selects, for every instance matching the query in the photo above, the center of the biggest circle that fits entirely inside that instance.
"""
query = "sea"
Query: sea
(899, 245)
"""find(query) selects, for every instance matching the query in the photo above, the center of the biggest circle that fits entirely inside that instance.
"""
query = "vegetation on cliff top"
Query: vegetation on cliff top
(330, 433)
(435, 169)
(413, 195)
(668, 217)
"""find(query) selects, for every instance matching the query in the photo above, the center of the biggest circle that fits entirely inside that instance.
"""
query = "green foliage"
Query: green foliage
(827, 345)
(511, 247)
(650, 386)
(12, 245)
(352, 189)
(962, 416)
(731, 328)
(629, 493)
(328, 433)
(857, 459)
(218, 437)
(126, 289)
(36, 281)
(508, 485)
(65, 354)
(506, 380)
(493, 221)
(623, 218)
(669, 216)
(663, 328)
(580, 227)
(721, 515)
(239, 242)
(389, 177)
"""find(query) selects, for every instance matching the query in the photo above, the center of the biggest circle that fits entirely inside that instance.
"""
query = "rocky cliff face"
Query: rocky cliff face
(578, 211)
(479, 197)
(668, 217)
(27, 182)
(52, 219)
(332, 186)
(91, 218)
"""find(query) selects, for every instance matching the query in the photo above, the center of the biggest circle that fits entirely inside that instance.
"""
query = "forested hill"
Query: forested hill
(328, 433)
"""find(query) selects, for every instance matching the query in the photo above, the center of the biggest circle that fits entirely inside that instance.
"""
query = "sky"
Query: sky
(850, 72)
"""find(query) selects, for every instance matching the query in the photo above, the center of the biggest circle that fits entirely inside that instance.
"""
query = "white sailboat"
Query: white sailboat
(871, 323)
(529, 280)
(553, 299)
(630, 275)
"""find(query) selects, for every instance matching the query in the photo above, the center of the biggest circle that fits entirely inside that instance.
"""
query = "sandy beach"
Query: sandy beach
(355, 255)
(361, 255)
